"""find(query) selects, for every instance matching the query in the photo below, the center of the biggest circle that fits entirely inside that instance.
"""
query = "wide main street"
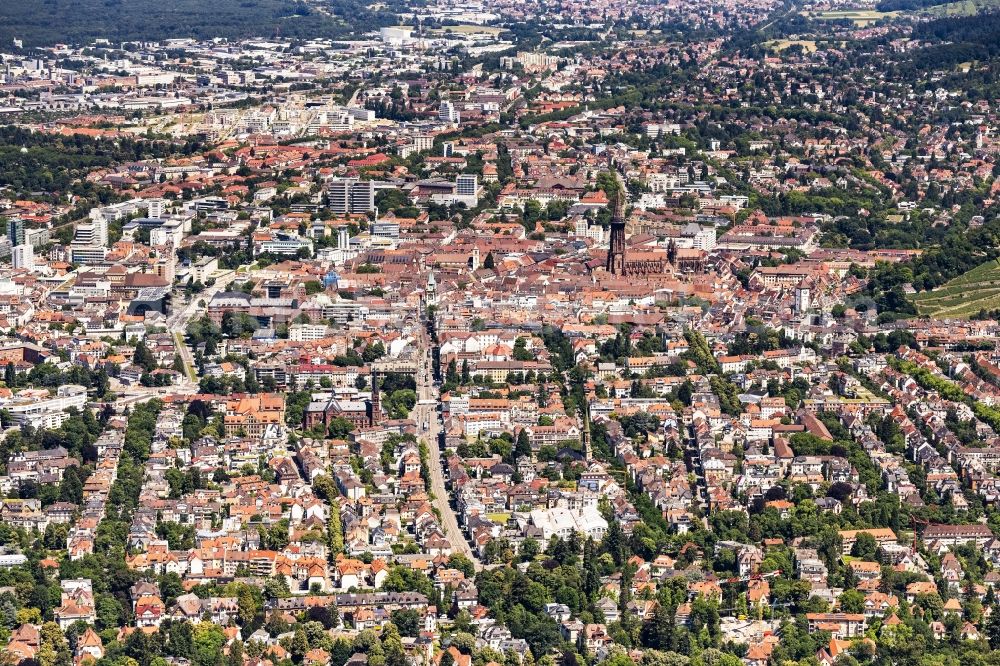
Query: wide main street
(425, 412)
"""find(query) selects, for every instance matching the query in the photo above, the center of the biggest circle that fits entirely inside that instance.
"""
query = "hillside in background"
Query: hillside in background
(46, 22)
(960, 39)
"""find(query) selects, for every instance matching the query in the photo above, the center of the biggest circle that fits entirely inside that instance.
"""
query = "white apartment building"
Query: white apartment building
(47, 412)
(448, 113)
(584, 229)
(23, 256)
(351, 195)
(655, 130)
(307, 332)
(92, 233)
(422, 142)
(155, 208)
(564, 522)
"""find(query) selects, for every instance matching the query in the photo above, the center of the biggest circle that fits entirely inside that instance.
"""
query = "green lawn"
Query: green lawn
(809, 45)
(864, 17)
(860, 17)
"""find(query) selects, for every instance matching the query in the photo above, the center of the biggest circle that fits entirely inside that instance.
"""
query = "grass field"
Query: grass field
(965, 295)
(808, 45)
(860, 17)
(865, 17)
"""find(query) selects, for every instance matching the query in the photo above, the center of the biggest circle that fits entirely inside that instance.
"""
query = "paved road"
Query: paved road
(179, 318)
(428, 414)
(178, 321)
(186, 357)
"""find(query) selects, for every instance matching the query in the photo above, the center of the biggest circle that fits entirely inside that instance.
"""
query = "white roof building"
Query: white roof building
(564, 522)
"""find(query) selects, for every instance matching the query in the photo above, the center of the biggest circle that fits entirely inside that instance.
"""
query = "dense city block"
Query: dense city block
(499, 333)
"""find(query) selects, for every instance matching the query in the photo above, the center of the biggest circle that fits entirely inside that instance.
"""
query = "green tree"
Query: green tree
(340, 428)
(407, 621)
(658, 631)
(523, 446)
(54, 649)
(235, 656)
(865, 546)
(143, 358)
(529, 550)
(852, 601)
(248, 606)
(108, 611)
(392, 644)
(993, 627)
(180, 640)
(276, 587)
(207, 642)
(335, 528)
(463, 564)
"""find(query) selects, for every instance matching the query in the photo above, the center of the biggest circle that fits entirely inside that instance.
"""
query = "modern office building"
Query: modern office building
(15, 231)
(467, 189)
(467, 185)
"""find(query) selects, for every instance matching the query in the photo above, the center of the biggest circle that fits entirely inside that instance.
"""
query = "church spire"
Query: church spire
(616, 243)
